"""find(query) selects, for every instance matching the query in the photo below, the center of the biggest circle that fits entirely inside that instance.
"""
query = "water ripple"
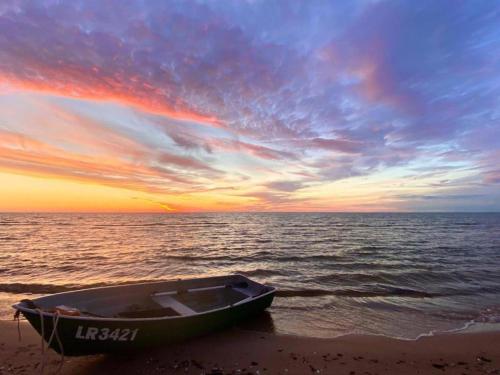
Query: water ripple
(401, 274)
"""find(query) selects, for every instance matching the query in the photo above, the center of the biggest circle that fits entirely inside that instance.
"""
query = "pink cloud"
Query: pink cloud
(130, 165)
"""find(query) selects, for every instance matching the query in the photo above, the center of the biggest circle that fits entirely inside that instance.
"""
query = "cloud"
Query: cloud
(79, 58)
(492, 177)
(183, 162)
(168, 207)
(441, 196)
(189, 142)
(273, 201)
(319, 90)
(286, 186)
(172, 59)
(19, 153)
(341, 145)
(52, 140)
(234, 145)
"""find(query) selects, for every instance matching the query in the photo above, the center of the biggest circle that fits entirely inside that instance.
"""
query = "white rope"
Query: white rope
(55, 321)
(54, 333)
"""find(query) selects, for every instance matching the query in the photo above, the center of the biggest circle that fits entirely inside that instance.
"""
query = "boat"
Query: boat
(128, 317)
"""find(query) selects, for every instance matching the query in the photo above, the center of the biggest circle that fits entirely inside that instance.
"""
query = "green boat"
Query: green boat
(125, 317)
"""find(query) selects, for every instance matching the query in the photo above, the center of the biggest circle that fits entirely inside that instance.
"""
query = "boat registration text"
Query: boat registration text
(117, 334)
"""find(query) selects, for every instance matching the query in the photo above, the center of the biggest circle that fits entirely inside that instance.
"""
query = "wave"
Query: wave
(163, 224)
(9, 238)
(261, 255)
(261, 272)
(307, 258)
(389, 292)
(194, 258)
(411, 276)
(489, 315)
(18, 288)
(22, 288)
(129, 225)
(38, 288)
(263, 240)
(35, 288)
(191, 258)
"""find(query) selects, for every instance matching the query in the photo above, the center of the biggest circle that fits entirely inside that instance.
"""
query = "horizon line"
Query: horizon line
(244, 212)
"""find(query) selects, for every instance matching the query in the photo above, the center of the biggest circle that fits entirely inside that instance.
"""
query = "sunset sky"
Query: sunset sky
(173, 106)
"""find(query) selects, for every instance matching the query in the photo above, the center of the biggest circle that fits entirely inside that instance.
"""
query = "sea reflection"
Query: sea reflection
(396, 274)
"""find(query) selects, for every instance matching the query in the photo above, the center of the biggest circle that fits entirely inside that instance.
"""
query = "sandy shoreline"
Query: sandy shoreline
(238, 351)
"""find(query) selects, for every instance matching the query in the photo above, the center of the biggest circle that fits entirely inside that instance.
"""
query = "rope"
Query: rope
(54, 333)
(17, 316)
(55, 321)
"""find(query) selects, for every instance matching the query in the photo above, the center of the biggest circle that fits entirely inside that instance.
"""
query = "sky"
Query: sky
(262, 105)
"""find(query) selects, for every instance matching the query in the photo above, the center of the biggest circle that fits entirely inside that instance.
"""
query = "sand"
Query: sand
(238, 351)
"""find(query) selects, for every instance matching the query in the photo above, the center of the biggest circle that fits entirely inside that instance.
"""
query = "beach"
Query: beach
(240, 351)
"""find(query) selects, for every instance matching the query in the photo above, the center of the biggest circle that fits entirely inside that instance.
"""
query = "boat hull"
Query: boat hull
(87, 335)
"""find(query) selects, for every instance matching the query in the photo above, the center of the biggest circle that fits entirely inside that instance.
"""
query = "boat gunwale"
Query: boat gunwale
(39, 312)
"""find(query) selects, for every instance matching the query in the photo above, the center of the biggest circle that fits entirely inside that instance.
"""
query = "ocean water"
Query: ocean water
(401, 275)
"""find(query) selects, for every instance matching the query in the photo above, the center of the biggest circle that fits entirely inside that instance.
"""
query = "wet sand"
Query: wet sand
(238, 351)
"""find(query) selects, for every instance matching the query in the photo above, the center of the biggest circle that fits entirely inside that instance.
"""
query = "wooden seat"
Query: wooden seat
(169, 301)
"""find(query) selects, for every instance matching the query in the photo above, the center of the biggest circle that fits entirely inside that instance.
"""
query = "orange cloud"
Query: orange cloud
(22, 154)
(115, 92)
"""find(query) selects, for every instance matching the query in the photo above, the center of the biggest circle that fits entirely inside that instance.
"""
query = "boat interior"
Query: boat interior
(156, 299)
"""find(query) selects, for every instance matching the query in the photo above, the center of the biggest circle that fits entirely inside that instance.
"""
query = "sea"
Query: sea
(396, 274)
